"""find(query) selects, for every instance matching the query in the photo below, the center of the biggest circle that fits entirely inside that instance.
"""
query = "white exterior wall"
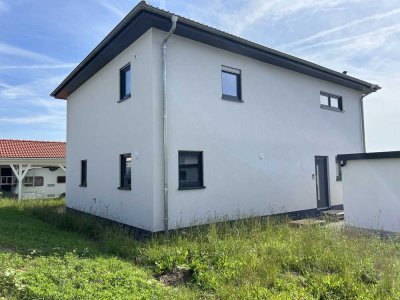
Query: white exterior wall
(280, 117)
(371, 193)
(99, 129)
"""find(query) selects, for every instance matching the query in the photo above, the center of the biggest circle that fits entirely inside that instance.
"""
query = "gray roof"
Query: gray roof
(144, 16)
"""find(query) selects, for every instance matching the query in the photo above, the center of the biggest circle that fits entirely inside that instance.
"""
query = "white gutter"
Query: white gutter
(372, 89)
(174, 19)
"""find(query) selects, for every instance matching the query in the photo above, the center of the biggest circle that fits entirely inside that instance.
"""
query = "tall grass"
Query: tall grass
(248, 259)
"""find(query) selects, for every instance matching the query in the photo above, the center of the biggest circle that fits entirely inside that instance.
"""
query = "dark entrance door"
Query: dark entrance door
(321, 179)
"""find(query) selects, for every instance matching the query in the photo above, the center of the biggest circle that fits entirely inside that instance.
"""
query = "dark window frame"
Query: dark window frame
(191, 185)
(238, 74)
(122, 82)
(61, 179)
(83, 173)
(329, 106)
(122, 170)
(36, 181)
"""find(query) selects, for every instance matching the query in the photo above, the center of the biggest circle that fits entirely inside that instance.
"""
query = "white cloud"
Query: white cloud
(242, 16)
(107, 5)
(37, 119)
(42, 66)
(4, 8)
(16, 51)
(321, 34)
(368, 41)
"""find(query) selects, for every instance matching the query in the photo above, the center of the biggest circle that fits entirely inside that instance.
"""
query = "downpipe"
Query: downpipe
(174, 19)
(372, 89)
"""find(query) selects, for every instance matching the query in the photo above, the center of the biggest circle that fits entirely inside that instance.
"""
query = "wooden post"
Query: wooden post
(20, 176)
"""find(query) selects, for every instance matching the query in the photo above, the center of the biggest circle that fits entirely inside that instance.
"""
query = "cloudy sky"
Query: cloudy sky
(41, 41)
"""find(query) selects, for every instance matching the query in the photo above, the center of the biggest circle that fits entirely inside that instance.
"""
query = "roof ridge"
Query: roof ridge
(35, 141)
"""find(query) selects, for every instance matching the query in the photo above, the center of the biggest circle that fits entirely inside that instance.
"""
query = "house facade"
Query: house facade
(32, 169)
(248, 131)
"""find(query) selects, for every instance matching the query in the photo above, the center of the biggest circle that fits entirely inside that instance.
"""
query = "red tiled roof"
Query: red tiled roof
(31, 149)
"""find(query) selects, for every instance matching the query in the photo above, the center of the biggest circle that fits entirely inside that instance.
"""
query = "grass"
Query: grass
(47, 253)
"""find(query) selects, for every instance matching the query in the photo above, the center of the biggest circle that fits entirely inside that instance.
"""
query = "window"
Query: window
(231, 84)
(330, 101)
(125, 82)
(83, 173)
(33, 181)
(125, 169)
(60, 179)
(190, 170)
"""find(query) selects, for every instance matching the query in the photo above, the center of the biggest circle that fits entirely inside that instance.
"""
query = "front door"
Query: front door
(321, 179)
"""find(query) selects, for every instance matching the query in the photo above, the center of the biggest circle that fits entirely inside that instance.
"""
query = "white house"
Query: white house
(170, 130)
(32, 169)
(371, 190)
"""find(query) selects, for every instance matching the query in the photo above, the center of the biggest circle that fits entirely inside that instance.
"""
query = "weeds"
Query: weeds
(247, 259)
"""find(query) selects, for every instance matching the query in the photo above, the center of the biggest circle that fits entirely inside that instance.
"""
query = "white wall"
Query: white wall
(280, 117)
(371, 193)
(99, 129)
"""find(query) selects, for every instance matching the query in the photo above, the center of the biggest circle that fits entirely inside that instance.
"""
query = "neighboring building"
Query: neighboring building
(248, 127)
(371, 190)
(32, 169)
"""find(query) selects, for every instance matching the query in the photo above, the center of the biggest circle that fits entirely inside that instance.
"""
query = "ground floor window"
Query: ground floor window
(125, 171)
(83, 173)
(190, 169)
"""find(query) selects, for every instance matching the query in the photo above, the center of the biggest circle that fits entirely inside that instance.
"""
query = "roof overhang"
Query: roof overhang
(371, 155)
(144, 16)
(33, 161)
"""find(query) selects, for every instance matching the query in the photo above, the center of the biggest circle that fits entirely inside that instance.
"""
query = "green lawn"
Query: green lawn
(46, 253)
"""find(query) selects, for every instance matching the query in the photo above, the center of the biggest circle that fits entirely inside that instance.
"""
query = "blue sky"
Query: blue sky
(41, 41)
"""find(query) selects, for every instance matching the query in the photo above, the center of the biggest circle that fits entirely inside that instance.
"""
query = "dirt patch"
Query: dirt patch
(176, 277)
(6, 250)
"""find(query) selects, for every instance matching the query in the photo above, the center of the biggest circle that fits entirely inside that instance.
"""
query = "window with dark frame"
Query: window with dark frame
(125, 169)
(83, 173)
(32, 181)
(331, 101)
(231, 84)
(125, 82)
(60, 179)
(190, 169)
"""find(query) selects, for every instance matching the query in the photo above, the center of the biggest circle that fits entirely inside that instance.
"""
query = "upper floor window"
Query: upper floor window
(190, 169)
(83, 173)
(125, 82)
(331, 101)
(231, 84)
(125, 169)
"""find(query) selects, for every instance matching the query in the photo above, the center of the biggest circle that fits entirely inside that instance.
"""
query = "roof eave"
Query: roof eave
(365, 87)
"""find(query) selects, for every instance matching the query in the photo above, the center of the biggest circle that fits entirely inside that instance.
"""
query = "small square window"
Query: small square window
(125, 169)
(83, 173)
(190, 169)
(60, 179)
(231, 84)
(330, 101)
(125, 82)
